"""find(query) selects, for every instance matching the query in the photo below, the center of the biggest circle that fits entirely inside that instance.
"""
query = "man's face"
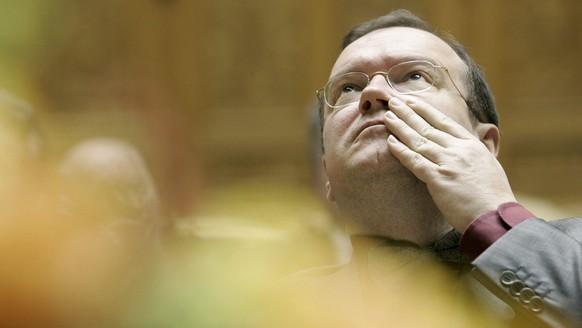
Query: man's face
(354, 136)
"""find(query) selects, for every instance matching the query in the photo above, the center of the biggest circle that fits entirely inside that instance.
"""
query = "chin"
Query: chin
(377, 164)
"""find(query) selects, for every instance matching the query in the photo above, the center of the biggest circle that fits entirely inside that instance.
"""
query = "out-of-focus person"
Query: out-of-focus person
(77, 232)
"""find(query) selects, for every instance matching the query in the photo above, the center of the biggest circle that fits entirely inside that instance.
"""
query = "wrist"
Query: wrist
(492, 225)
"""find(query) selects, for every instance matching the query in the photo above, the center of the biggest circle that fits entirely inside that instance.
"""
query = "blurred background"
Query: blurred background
(215, 92)
(216, 96)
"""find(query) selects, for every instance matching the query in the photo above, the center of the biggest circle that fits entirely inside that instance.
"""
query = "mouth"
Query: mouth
(369, 124)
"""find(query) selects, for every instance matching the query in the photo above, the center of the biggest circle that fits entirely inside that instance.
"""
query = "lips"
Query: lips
(368, 124)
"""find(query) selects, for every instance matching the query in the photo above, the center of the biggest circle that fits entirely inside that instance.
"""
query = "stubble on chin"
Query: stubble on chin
(392, 203)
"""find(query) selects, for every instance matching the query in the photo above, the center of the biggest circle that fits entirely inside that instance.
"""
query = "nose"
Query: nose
(376, 95)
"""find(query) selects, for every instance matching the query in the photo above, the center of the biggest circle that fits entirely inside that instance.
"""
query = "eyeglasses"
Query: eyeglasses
(405, 78)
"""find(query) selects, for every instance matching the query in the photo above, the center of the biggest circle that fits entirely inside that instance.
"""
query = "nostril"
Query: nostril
(367, 105)
(383, 102)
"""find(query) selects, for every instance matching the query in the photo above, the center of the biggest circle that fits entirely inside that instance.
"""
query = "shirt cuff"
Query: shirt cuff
(490, 226)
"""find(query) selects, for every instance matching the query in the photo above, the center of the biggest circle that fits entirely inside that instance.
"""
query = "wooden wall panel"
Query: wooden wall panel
(234, 79)
(539, 97)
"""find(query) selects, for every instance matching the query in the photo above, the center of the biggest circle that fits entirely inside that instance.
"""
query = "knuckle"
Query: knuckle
(427, 131)
(415, 159)
(420, 142)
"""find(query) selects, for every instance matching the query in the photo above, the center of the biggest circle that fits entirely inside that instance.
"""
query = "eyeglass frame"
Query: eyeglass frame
(321, 92)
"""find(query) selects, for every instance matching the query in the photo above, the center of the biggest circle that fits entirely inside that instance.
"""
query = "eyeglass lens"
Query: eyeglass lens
(404, 78)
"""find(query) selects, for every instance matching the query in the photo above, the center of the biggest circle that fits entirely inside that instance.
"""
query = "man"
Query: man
(410, 137)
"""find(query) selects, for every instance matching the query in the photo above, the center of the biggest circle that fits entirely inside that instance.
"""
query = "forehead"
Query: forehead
(381, 49)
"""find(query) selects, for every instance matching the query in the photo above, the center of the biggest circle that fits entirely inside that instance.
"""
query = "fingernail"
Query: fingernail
(396, 102)
(390, 115)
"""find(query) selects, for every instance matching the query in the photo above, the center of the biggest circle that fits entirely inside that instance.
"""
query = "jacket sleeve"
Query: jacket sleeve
(536, 267)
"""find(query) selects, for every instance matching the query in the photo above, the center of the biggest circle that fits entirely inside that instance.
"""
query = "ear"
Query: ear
(328, 192)
(490, 135)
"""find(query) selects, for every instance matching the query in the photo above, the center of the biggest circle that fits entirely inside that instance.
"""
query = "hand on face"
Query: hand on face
(460, 169)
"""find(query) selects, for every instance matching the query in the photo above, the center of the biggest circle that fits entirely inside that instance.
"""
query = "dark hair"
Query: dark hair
(480, 99)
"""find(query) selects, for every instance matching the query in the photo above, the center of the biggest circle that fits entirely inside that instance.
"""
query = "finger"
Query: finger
(411, 138)
(420, 166)
(418, 123)
(437, 119)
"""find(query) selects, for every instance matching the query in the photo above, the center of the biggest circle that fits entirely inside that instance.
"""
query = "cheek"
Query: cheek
(333, 134)
(331, 131)
(337, 129)
(337, 122)
(326, 138)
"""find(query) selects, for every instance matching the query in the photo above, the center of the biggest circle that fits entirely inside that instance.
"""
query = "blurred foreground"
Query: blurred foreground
(92, 253)
(81, 267)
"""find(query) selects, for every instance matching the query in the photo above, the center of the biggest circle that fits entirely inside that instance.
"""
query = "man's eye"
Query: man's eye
(417, 76)
(348, 88)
